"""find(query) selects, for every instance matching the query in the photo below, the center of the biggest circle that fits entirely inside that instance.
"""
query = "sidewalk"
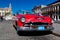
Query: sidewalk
(56, 30)
(57, 22)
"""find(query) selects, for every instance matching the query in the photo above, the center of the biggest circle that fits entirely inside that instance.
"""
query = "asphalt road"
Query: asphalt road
(7, 32)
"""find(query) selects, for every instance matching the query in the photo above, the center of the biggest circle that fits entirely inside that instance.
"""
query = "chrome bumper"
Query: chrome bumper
(33, 29)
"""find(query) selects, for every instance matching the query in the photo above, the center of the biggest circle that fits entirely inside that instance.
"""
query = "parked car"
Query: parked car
(33, 22)
(7, 18)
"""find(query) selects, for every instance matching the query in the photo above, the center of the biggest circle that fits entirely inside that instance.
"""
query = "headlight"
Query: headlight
(47, 27)
(22, 19)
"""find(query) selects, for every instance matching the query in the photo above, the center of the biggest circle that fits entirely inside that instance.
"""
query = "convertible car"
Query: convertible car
(33, 22)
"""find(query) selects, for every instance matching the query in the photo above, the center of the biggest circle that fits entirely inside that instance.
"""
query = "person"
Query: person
(1, 18)
(39, 13)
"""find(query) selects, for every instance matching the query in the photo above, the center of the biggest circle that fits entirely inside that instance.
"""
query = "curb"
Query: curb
(56, 34)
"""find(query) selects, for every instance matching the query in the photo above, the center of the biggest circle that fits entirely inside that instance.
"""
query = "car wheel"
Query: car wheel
(19, 33)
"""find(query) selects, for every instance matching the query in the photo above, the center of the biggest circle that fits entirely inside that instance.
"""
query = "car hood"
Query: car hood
(37, 18)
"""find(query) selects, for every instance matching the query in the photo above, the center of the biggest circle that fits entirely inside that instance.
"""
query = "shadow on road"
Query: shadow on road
(33, 33)
(57, 22)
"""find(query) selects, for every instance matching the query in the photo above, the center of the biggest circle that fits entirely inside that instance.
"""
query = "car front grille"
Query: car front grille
(35, 24)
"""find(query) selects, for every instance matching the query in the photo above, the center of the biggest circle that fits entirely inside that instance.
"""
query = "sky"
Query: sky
(23, 4)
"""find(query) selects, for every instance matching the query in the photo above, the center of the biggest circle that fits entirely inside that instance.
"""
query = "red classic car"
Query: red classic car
(33, 22)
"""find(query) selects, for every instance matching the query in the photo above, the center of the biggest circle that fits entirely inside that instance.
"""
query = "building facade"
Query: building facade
(37, 9)
(6, 10)
(52, 9)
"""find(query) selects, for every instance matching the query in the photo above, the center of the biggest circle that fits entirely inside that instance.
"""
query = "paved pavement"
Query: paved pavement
(57, 28)
(7, 32)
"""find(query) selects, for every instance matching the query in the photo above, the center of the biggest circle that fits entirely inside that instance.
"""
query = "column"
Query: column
(58, 12)
(58, 8)
(58, 18)
(55, 17)
(55, 13)
(1, 13)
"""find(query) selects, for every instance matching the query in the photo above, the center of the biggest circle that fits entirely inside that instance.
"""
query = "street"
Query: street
(7, 32)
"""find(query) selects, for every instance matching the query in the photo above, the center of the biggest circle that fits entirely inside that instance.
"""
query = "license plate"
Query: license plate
(41, 28)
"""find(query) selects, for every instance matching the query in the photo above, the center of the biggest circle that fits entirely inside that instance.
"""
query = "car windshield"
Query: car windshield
(28, 13)
(25, 12)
